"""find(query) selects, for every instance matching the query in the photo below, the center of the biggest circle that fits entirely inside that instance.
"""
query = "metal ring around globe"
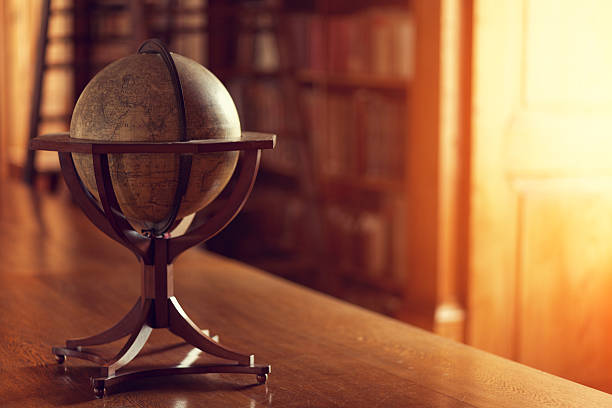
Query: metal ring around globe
(201, 232)
(155, 46)
(108, 199)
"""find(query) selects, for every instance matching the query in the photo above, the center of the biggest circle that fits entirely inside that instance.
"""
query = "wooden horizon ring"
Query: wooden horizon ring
(107, 216)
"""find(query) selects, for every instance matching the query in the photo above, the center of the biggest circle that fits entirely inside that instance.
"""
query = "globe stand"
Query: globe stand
(157, 307)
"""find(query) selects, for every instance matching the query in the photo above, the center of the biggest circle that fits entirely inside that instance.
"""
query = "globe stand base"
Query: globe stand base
(157, 308)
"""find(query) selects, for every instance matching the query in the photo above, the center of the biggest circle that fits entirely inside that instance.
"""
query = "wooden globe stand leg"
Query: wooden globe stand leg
(123, 328)
(157, 308)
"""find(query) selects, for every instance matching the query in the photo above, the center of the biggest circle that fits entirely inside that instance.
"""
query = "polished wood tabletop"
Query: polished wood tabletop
(60, 278)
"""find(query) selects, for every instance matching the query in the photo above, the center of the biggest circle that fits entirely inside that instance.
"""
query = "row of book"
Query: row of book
(367, 244)
(359, 133)
(377, 41)
(262, 106)
(271, 225)
(350, 133)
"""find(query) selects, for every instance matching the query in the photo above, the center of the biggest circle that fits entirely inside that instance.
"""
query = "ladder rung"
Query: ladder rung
(99, 7)
(59, 117)
(61, 38)
(93, 39)
(61, 10)
(59, 65)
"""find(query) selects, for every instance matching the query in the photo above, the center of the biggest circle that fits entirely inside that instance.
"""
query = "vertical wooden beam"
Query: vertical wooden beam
(164, 284)
(453, 209)
(422, 168)
(448, 309)
(465, 154)
(438, 167)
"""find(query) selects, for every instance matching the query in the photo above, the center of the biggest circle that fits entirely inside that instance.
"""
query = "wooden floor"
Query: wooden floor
(61, 278)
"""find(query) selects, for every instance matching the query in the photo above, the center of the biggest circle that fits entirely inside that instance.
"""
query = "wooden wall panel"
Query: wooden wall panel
(423, 168)
(565, 296)
(455, 54)
(540, 287)
(567, 54)
(496, 90)
(437, 169)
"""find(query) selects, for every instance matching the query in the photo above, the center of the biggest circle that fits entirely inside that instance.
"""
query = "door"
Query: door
(540, 274)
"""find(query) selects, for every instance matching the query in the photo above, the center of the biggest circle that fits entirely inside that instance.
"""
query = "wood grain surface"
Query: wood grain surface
(62, 278)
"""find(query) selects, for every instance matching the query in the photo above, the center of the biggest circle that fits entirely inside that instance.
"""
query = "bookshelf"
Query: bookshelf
(352, 80)
(80, 38)
(359, 193)
(334, 82)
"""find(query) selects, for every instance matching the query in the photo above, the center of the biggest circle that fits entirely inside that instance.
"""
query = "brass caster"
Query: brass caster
(60, 358)
(99, 392)
(98, 387)
(262, 378)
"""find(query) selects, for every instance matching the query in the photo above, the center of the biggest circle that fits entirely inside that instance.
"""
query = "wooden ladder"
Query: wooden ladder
(84, 15)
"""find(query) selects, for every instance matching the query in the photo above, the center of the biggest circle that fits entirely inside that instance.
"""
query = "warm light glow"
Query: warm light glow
(541, 193)
(191, 357)
(450, 60)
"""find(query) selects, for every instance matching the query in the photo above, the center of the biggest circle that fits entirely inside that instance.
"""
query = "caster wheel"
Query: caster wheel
(60, 358)
(99, 392)
(262, 378)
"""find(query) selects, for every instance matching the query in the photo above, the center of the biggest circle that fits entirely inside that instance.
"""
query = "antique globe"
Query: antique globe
(132, 100)
(153, 138)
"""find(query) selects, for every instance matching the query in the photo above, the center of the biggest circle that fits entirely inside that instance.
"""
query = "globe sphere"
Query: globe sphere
(133, 100)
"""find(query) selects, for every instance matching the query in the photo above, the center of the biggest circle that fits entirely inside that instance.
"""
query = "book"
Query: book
(376, 41)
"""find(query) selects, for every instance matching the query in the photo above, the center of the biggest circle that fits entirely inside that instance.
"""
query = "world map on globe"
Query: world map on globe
(133, 99)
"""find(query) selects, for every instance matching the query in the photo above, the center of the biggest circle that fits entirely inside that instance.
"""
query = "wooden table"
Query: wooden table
(61, 277)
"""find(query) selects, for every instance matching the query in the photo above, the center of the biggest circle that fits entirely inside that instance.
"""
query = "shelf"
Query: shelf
(228, 74)
(279, 170)
(337, 118)
(350, 7)
(55, 118)
(384, 283)
(232, 10)
(182, 30)
(351, 80)
(363, 183)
